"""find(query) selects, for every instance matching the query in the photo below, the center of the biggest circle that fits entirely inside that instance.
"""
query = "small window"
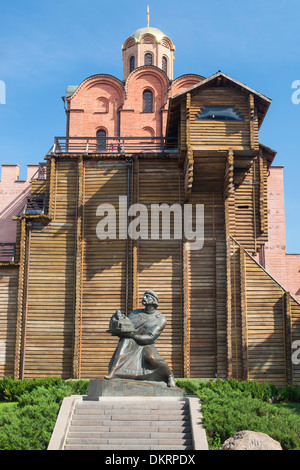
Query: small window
(148, 59)
(164, 64)
(219, 113)
(132, 63)
(147, 101)
(101, 140)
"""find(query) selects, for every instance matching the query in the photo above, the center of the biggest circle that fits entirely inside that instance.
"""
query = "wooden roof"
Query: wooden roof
(270, 154)
(218, 79)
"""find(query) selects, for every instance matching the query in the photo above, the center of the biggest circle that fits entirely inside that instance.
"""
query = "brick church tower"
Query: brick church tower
(106, 107)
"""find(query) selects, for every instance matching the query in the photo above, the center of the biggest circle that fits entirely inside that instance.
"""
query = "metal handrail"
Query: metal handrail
(35, 205)
(114, 145)
(40, 173)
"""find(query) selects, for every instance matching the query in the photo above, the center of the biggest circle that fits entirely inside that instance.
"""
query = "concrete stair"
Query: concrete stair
(134, 423)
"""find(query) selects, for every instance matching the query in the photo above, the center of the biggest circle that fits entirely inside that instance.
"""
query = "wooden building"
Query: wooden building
(226, 315)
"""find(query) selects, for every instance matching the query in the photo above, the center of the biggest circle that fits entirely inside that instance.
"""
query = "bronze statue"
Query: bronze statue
(136, 356)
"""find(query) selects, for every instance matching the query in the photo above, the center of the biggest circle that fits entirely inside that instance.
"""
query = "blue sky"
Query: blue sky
(47, 45)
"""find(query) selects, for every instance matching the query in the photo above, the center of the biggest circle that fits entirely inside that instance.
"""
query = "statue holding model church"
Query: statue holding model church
(136, 356)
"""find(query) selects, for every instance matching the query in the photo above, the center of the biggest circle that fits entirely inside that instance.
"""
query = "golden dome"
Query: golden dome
(157, 33)
(148, 30)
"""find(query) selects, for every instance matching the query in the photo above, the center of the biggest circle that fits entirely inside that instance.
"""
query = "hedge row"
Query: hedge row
(29, 424)
(11, 390)
(229, 406)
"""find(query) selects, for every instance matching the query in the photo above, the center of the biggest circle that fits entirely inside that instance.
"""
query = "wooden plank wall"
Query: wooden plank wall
(104, 268)
(72, 293)
(49, 307)
(207, 273)
(159, 262)
(248, 208)
(295, 337)
(8, 314)
(217, 134)
(235, 331)
(38, 187)
(265, 324)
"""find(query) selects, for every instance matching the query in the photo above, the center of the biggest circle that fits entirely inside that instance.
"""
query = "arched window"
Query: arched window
(131, 63)
(164, 64)
(148, 59)
(147, 101)
(101, 105)
(101, 140)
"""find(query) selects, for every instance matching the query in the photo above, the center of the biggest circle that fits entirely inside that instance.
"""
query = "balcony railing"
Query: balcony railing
(7, 252)
(35, 205)
(40, 174)
(115, 145)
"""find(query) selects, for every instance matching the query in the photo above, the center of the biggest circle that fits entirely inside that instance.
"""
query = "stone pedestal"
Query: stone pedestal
(130, 388)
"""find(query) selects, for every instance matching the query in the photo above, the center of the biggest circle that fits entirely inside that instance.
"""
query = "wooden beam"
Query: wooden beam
(186, 311)
(288, 338)
(261, 193)
(188, 173)
(244, 314)
(228, 290)
(189, 159)
(251, 117)
(52, 188)
(188, 119)
(135, 245)
(228, 177)
(21, 282)
(78, 270)
(235, 289)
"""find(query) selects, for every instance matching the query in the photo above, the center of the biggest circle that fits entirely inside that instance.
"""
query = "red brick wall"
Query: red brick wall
(285, 268)
(95, 103)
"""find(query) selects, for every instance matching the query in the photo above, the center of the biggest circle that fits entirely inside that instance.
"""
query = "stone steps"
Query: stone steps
(139, 424)
(147, 428)
(127, 447)
(125, 435)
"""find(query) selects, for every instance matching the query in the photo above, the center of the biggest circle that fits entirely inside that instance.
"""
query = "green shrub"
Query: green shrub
(229, 406)
(29, 425)
(289, 393)
(11, 390)
(189, 385)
